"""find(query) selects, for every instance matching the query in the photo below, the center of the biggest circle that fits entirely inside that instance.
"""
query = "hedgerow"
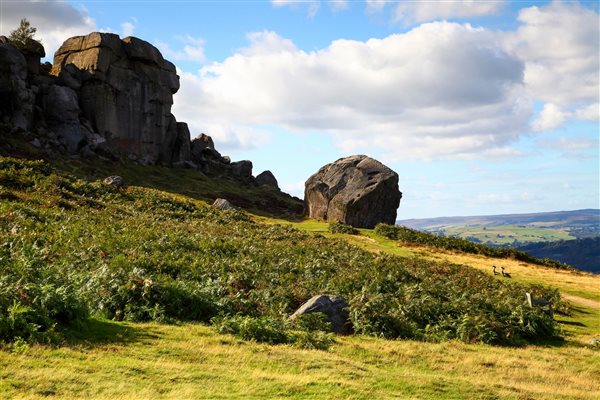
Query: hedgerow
(70, 248)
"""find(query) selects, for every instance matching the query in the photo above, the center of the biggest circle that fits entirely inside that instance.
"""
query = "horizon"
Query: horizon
(467, 102)
(501, 215)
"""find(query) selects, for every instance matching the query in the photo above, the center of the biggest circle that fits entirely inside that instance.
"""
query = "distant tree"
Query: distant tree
(22, 37)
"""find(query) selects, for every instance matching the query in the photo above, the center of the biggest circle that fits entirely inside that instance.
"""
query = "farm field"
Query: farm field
(507, 234)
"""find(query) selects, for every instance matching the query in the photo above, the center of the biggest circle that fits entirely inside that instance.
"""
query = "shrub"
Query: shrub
(259, 329)
(274, 331)
(140, 254)
(338, 227)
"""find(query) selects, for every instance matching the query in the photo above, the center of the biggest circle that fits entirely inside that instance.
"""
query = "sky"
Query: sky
(481, 107)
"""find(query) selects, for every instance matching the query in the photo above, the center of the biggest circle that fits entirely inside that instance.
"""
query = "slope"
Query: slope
(141, 254)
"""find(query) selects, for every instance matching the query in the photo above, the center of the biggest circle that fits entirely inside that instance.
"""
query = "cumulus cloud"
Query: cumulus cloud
(442, 89)
(413, 12)
(193, 49)
(55, 20)
(410, 12)
(551, 117)
(559, 44)
(589, 113)
(229, 135)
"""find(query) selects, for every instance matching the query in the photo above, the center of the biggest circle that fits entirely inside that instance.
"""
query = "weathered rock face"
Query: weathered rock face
(356, 190)
(126, 92)
(335, 308)
(17, 99)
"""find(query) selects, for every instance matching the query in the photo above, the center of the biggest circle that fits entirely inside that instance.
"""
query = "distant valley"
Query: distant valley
(567, 236)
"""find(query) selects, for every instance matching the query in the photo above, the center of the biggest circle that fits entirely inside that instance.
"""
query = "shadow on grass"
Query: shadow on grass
(98, 332)
(573, 323)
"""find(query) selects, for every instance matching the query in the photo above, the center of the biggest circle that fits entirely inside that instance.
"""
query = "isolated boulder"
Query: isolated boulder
(267, 178)
(125, 90)
(357, 190)
(335, 308)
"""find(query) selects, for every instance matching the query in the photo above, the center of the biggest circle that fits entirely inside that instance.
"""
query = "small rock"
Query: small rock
(223, 204)
(595, 342)
(335, 308)
(115, 180)
(36, 143)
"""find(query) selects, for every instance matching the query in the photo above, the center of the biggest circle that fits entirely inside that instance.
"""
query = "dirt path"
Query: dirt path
(581, 301)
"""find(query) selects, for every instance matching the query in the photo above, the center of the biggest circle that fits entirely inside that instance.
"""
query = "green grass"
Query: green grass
(149, 360)
(142, 254)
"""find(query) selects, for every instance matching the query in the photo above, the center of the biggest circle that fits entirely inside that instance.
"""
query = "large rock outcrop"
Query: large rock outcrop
(111, 98)
(126, 92)
(356, 190)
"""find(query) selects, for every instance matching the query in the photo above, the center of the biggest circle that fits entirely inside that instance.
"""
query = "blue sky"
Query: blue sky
(482, 107)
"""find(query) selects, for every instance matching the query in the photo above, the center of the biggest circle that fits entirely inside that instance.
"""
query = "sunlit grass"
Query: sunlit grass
(149, 360)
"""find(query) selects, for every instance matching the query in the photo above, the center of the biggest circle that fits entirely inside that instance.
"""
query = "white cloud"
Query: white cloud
(128, 27)
(551, 117)
(374, 6)
(228, 136)
(311, 6)
(338, 5)
(440, 90)
(589, 113)
(410, 12)
(193, 49)
(560, 45)
(55, 21)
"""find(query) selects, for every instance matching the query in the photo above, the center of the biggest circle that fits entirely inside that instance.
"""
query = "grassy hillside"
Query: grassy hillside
(119, 288)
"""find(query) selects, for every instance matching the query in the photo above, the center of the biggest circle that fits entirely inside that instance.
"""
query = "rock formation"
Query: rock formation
(356, 190)
(110, 97)
(126, 92)
(335, 308)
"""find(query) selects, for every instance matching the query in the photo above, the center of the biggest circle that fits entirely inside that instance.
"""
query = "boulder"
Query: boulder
(33, 52)
(115, 180)
(267, 178)
(356, 190)
(242, 169)
(335, 308)
(223, 204)
(126, 92)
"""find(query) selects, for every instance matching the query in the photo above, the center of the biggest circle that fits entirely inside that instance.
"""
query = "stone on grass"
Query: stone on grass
(335, 308)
